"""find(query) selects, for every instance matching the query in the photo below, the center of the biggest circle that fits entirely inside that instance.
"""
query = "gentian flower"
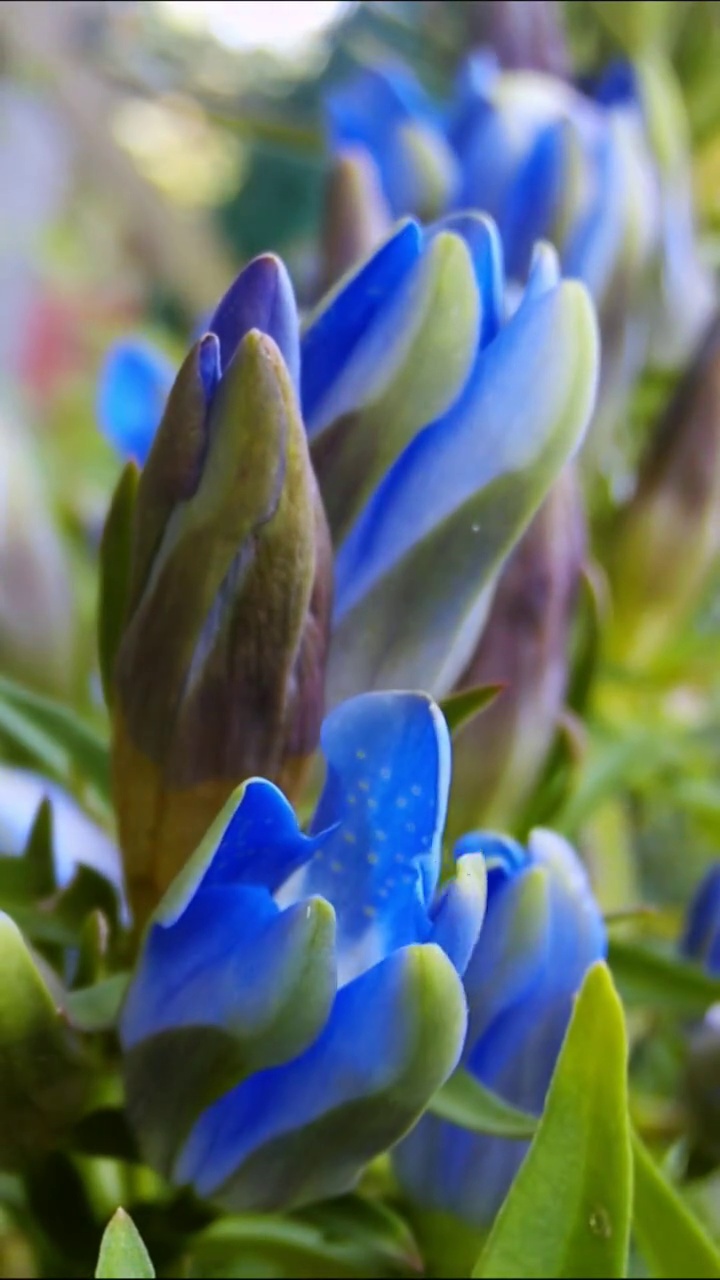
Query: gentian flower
(219, 669)
(542, 931)
(436, 428)
(297, 999)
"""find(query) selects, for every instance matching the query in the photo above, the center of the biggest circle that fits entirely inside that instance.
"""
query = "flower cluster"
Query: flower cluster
(411, 367)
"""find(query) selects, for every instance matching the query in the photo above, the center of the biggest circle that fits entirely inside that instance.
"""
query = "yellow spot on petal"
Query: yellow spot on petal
(369, 912)
(352, 798)
(386, 774)
(335, 865)
(380, 835)
(415, 790)
(363, 785)
(401, 802)
(361, 755)
(349, 837)
(373, 858)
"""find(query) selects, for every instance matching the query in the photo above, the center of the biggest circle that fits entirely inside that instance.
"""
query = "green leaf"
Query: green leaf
(670, 1238)
(348, 1238)
(123, 1255)
(96, 1008)
(54, 736)
(568, 1211)
(647, 977)
(42, 1083)
(460, 708)
(38, 852)
(115, 564)
(464, 1101)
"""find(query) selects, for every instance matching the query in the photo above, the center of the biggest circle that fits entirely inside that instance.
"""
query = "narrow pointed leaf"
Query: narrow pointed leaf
(123, 1255)
(41, 1081)
(462, 707)
(38, 853)
(646, 977)
(54, 736)
(670, 1238)
(466, 1102)
(568, 1211)
(96, 1008)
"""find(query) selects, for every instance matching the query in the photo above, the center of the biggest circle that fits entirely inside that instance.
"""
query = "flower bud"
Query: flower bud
(219, 669)
(525, 648)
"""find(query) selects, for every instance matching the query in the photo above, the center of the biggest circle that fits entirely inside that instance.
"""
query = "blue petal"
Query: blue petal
(380, 820)
(578, 936)
(544, 271)
(369, 110)
(703, 923)
(458, 915)
(594, 250)
(133, 386)
(347, 336)
(617, 85)
(533, 197)
(466, 1174)
(362, 1054)
(503, 856)
(512, 949)
(255, 841)
(481, 236)
(263, 844)
(207, 967)
(260, 298)
(485, 433)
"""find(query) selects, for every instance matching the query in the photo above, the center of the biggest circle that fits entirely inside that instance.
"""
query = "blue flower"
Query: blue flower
(542, 932)
(385, 110)
(297, 998)
(701, 940)
(437, 425)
